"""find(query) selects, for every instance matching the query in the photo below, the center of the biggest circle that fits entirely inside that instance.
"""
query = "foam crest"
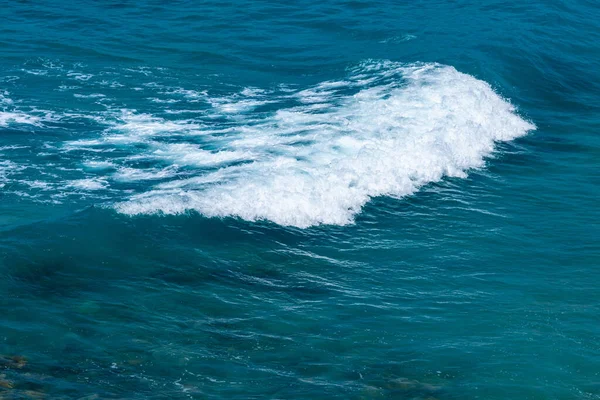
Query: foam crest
(88, 184)
(7, 168)
(11, 117)
(11, 114)
(242, 102)
(386, 130)
(128, 128)
(139, 126)
(4, 99)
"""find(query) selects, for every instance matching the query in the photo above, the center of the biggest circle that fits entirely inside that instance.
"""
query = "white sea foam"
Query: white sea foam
(39, 72)
(112, 84)
(244, 101)
(79, 76)
(163, 101)
(131, 128)
(99, 165)
(4, 99)
(12, 114)
(140, 126)
(189, 94)
(16, 117)
(37, 184)
(385, 131)
(88, 184)
(12, 147)
(126, 174)
(8, 168)
(193, 155)
(89, 96)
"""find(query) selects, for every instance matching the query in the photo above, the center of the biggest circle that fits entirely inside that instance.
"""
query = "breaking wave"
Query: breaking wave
(320, 154)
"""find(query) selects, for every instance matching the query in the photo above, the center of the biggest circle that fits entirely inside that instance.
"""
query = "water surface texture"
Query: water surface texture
(319, 200)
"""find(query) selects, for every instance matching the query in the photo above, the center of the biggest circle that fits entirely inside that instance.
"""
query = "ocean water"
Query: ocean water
(316, 200)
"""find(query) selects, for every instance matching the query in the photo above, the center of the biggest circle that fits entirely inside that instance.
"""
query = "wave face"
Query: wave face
(386, 130)
(296, 156)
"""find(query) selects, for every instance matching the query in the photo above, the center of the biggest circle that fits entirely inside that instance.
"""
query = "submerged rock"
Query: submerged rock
(19, 361)
(135, 361)
(5, 383)
(413, 387)
(13, 362)
(371, 392)
(403, 383)
(34, 394)
(88, 307)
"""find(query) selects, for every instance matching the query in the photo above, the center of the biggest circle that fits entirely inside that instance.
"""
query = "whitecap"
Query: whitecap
(88, 184)
(80, 76)
(127, 174)
(88, 96)
(387, 130)
(4, 99)
(16, 117)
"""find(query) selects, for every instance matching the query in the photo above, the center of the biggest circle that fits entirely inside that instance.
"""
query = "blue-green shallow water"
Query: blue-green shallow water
(254, 200)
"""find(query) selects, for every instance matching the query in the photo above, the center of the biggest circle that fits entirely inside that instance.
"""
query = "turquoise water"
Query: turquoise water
(335, 199)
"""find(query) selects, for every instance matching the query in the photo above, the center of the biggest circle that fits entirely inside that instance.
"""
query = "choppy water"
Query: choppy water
(334, 199)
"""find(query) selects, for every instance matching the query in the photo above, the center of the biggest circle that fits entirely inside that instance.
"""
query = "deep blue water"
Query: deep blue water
(333, 199)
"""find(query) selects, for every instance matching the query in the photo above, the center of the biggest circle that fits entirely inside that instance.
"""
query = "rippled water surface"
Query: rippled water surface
(335, 199)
